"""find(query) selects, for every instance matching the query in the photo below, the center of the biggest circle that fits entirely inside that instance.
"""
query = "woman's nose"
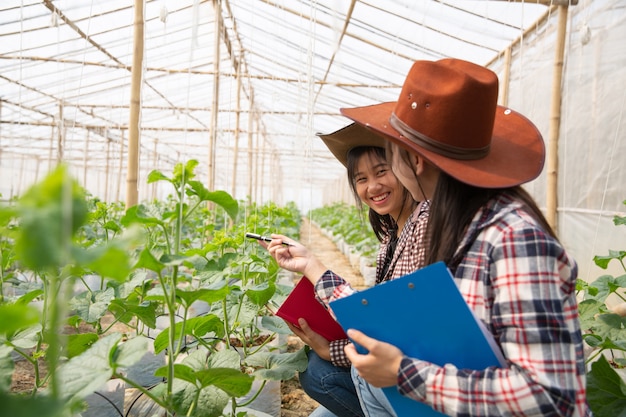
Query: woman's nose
(374, 186)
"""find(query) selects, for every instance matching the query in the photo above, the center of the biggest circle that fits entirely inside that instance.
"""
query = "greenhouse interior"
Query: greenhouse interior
(126, 95)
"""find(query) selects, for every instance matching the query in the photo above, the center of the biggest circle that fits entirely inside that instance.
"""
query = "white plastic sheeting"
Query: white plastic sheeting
(285, 68)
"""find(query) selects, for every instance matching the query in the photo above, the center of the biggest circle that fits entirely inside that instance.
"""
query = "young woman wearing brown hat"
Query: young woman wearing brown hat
(398, 222)
(448, 139)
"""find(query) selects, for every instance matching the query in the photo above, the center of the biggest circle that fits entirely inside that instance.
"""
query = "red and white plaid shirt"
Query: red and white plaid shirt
(407, 257)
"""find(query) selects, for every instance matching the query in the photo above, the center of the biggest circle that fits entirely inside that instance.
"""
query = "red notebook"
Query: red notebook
(301, 303)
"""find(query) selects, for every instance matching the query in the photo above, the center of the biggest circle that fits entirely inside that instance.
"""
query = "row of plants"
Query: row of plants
(602, 312)
(348, 227)
(350, 224)
(152, 262)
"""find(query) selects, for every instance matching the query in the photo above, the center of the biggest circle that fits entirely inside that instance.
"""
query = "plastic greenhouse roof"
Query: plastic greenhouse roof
(65, 75)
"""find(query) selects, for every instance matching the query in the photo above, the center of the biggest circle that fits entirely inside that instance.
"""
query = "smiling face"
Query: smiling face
(377, 186)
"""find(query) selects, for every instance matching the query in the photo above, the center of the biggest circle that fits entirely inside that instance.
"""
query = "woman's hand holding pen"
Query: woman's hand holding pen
(295, 257)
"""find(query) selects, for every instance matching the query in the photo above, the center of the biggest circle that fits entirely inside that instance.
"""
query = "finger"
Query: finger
(351, 352)
(309, 332)
(360, 338)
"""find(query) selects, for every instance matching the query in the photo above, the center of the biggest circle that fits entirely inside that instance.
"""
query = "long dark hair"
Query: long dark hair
(381, 224)
(453, 207)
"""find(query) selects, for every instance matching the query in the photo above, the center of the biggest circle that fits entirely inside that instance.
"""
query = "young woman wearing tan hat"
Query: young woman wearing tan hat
(398, 222)
(448, 139)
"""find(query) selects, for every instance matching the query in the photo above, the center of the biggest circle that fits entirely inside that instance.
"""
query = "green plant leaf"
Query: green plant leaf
(50, 212)
(612, 326)
(262, 293)
(606, 391)
(587, 311)
(79, 343)
(91, 306)
(14, 317)
(607, 285)
(172, 259)
(29, 406)
(7, 364)
(275, 324)
(29, 296)
(85, 373)
(155, 176)
(139, 214)
(110, 261)
(180, 371)
(278, 366)
(26, 338)
(148, 261)
(211, 401)
(125, 311)
(232, 381)
(221, 198)
(129, 352)
(197, 327)
(221, 359)
(603, 261)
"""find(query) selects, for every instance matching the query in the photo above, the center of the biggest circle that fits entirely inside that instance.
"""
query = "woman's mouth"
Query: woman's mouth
(380, 197)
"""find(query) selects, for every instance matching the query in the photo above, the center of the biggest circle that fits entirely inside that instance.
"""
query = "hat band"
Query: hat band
(449, 151)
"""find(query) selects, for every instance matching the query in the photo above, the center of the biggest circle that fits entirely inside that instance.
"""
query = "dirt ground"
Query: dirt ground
(295, 402)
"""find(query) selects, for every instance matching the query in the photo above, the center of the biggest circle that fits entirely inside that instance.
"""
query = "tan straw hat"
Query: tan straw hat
(448, 113)
(351, 136)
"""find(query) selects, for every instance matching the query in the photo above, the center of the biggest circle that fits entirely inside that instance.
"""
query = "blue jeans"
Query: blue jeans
(332, 387)
(373, 401)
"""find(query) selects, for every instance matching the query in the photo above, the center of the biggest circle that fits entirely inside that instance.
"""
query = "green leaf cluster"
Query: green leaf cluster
(604, 332)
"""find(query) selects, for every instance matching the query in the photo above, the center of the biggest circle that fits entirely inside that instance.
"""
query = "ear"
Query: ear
(418, 164)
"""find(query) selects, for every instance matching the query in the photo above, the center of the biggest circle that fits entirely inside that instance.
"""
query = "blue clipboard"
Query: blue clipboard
(424, 315)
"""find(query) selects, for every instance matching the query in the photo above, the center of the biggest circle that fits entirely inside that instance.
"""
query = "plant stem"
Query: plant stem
(254, 397)
(140, 388)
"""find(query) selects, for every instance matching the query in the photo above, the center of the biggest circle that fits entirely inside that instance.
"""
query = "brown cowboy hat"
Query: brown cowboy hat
(447, 112)
(351, 136)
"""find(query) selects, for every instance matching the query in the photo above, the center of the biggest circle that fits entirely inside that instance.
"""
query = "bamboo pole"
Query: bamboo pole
(51, 146)
(155, 161)
(506, 78)
(250, 127)
(107, 169)
(216, 92)
(85, 152)
(262, 173)
(120, 166)
(255, 164)
(236, 134)
(555, 121)
(60, 134)
(135, 106)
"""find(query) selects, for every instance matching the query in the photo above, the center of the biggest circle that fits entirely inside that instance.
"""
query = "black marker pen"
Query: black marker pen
(264, 238)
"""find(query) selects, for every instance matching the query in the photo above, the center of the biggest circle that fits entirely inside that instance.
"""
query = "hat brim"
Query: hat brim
(516, 156)
(351, 136)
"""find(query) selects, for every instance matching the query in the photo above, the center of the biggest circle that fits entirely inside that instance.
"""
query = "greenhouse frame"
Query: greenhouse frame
(142, 140)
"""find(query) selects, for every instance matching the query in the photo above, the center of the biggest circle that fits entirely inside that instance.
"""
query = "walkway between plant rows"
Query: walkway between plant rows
(328, 253)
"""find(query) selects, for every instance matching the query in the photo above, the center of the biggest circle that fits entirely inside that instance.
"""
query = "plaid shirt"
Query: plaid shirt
(521, 283)
(407, 257)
